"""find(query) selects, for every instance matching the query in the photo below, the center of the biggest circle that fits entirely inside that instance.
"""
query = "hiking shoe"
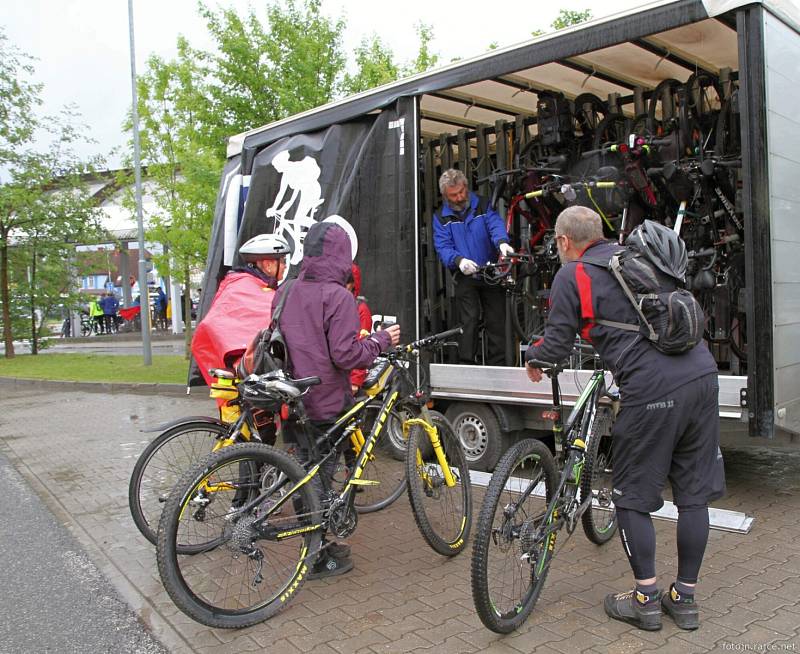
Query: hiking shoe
(627, 608)
(338, 550)
(681, 609)
(329, 566)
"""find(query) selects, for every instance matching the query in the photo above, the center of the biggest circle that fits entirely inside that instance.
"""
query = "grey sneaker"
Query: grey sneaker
(329, 566)
(681, 609)
(626, 607)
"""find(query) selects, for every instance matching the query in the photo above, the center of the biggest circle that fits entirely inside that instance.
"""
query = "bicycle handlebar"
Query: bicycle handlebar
(565, 188)
(429, 340)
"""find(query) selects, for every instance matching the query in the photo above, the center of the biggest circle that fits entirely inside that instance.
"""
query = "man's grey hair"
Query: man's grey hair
(580, 224)
(450, 178)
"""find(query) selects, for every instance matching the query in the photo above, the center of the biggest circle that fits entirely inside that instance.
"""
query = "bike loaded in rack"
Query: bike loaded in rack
(673, 155)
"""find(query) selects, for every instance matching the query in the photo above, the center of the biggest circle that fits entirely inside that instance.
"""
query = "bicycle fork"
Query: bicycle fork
(433, 435)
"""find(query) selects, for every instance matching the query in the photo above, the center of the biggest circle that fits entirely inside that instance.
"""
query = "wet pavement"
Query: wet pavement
(77, 449)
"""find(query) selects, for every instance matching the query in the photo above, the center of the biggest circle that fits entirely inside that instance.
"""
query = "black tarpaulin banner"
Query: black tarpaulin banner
(362, 170)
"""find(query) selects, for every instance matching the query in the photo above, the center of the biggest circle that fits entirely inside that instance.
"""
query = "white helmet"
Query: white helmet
(347, 227)
(264, 246)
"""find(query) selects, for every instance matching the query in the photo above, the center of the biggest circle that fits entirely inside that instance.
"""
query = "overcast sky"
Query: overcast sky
(83, 50)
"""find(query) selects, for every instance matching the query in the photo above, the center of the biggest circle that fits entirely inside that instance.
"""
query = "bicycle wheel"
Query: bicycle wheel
(162, 463)
(443, 513)
(600, 519)
(244, 574)
(384, 468)
(505, 586)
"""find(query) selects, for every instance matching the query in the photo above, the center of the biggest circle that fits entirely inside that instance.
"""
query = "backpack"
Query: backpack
(267, 352)
(670, 317)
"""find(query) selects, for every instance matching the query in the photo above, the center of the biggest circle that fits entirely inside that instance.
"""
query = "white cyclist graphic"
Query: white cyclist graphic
(300, 188)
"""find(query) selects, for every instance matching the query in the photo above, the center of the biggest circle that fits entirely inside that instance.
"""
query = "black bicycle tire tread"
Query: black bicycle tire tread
(479, 563)
(587, 520)
(144, 460)
(415, 496)
(164, 554)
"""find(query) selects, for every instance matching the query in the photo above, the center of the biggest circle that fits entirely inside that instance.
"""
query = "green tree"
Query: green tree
(182, 170)
(43, 198)
(425, 59)
(261, 72)
(376, 64)
(566, 18)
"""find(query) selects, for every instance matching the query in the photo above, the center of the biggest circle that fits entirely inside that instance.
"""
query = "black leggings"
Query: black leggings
(639, 541)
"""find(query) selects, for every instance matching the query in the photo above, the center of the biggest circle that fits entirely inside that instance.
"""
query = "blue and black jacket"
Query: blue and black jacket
(474, 234)
(583, 293)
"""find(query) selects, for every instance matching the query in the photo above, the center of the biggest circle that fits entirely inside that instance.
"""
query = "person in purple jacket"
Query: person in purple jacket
(320, 326)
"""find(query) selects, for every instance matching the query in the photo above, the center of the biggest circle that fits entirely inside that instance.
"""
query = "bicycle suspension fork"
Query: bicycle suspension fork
(426, 422)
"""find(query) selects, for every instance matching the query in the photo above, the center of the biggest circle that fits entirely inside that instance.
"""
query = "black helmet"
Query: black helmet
(662, 246)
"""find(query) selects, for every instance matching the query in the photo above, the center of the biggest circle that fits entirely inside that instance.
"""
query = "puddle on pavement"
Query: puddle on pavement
(768, 468)
(67, 475)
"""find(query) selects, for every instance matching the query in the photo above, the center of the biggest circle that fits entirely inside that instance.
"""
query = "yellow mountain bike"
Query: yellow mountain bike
(254, 515)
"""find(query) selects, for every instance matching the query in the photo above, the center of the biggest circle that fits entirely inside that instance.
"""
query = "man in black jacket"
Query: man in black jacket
(667, 428)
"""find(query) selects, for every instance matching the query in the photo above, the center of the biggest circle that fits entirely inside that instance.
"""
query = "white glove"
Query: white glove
(468, 266)
(506, 250)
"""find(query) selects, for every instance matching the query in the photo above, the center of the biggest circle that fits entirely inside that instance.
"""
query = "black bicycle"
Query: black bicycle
(532, 495)
(255, 517)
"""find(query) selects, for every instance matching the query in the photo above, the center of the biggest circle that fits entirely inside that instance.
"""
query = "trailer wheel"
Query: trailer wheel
(479, 431)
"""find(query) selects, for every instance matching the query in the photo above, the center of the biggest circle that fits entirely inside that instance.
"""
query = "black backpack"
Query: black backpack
(670, 317)
(267, 352)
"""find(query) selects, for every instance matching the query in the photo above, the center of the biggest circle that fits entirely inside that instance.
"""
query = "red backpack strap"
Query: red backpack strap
(584, 283)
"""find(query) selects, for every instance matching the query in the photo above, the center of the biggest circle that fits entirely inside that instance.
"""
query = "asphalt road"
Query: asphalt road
(55, 598)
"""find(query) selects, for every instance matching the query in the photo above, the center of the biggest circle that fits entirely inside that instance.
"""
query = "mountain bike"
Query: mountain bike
(257, 517)
(532, 495)
(184, 443)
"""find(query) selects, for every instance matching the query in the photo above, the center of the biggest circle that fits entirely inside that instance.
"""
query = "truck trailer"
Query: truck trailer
(375, 158)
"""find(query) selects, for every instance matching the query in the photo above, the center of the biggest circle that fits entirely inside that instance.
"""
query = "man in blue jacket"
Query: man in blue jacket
(467, 234)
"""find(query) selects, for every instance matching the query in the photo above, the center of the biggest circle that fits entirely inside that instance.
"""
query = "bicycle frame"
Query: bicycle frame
(561, 508)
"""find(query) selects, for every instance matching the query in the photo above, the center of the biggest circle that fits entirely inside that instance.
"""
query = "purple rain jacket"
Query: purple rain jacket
(320, 323)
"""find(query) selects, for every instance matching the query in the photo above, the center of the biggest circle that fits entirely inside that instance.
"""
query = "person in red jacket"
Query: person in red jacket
(358, 375)
(242, 305)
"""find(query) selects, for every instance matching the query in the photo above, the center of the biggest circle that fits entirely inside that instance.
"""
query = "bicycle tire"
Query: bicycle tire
(498, 546)
(443, 514)
(183, 446)
(600, 519)
(390, 474)
(656, 124)
(613, 129)
(219, 587)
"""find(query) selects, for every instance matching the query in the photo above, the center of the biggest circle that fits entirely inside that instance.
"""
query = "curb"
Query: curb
(98, 387)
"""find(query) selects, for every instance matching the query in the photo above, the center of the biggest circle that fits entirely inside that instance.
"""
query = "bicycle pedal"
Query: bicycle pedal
(364, 482)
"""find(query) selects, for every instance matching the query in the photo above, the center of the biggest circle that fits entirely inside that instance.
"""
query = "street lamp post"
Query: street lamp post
(144, 301)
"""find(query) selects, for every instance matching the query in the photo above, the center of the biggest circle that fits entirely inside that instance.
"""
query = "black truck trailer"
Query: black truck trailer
(374, 158)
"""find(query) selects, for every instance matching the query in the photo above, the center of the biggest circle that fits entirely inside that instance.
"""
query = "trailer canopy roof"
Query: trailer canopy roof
(613, 55)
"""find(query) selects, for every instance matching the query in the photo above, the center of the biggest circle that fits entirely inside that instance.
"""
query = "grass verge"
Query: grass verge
(166, 369)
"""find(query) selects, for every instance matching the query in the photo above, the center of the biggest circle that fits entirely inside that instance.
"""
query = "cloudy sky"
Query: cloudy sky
(82, 46)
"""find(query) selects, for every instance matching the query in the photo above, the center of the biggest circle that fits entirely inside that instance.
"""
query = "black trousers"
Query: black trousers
(475, 298)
